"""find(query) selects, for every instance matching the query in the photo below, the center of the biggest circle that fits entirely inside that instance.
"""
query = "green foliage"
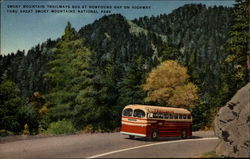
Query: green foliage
(10, 102)
(88, 129)
(4, 133)
(237, 62)
(72, 86)
(26, 69)
(26, 130)
(28, 115)
(89, 76)
(198, 33)
(130, 89)
(211, 154)
(14, 114)
(61, 71)
(61, 127)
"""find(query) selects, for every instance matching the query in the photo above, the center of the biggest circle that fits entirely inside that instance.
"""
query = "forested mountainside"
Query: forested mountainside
(199, 34)
(27, 70)
(118, 56)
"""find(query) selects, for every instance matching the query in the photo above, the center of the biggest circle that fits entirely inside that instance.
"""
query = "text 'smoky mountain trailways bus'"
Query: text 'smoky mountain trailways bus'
(154, 121)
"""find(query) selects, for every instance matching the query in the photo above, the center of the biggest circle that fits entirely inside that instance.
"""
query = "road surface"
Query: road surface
(107, 145)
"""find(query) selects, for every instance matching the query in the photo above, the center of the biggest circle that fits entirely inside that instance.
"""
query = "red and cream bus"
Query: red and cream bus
(154, 121)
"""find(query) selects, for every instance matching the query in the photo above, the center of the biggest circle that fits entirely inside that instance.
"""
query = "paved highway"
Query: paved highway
(110, 145)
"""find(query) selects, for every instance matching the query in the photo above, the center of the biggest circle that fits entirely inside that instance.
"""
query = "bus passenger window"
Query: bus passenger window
(189, 116)
(184, 116)
(166, 116)
(139, 113)
(161, 115)
(127, 112)
(156, 115)
(180, 116)
(171, 116)
(175, 116)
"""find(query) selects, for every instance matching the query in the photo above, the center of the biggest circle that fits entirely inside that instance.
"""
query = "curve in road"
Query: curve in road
(153, 144)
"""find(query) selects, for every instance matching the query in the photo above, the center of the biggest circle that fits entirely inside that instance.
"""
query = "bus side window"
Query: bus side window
(170, 116)
(166, 116)
(161, 115)
(158, 115)
(180, 116)
(189, 116)
(184, 116)
(154, 115)
(175, 116)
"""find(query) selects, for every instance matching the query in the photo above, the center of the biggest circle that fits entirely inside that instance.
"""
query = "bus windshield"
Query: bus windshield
(139, 113)
(127, 112)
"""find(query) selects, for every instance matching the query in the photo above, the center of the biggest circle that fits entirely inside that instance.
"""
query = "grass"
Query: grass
(211, 154)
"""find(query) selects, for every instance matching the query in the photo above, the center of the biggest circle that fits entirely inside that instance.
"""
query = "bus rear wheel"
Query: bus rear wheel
(155, 134)
(184, 133)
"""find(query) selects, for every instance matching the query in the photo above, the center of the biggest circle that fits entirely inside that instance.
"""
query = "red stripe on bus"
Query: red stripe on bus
(134, 129)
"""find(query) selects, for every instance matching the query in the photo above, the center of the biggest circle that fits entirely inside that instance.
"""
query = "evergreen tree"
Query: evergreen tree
(10, 102)
(83, 83)
(70, 77)
(106, 88)
(60, 76)
(130, 90)
(237, 62)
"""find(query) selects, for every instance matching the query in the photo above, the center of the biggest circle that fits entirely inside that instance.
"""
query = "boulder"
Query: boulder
(232, 125)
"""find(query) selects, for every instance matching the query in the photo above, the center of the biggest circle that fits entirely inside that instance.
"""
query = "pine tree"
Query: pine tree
(70, 76)
(237, 63)
(83, 83)
(60, 76)
(130, 90)
(10, 102)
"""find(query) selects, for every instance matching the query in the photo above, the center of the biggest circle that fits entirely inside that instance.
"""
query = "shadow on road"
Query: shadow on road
(161, 138)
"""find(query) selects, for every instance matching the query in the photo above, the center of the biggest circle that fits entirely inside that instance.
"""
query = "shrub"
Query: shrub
(28, 119)
(61, 127)
(88, 129)
(4, 132)
(26, 130)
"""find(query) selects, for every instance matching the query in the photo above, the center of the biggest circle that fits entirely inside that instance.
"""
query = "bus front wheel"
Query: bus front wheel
(155, 134)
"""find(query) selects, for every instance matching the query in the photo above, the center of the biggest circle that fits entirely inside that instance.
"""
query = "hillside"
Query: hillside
(199, 34)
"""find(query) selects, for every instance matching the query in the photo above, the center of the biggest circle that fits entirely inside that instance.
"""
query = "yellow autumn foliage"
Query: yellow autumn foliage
(168, 84)
(185, 95)
(43, 110)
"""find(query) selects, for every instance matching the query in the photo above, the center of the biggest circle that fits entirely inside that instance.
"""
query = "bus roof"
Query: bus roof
(159, 109)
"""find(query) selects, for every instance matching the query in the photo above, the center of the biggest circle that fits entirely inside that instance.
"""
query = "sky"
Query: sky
(21, 28)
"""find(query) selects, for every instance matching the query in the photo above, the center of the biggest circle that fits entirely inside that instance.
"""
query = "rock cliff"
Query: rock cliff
(232, 125)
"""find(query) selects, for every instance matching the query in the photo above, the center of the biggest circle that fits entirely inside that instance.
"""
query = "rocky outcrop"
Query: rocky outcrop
(232, 125)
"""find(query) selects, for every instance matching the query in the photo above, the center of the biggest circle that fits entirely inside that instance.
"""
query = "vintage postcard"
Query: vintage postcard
(124, 78)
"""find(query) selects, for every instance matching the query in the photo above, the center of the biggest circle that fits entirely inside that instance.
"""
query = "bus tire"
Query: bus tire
(183, 133)
(155, 134)
(131, 136)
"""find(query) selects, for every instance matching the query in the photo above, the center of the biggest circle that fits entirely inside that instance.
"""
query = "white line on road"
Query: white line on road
(153, 144)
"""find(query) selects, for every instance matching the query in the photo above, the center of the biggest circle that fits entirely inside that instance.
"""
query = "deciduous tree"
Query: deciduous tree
(168, 84)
